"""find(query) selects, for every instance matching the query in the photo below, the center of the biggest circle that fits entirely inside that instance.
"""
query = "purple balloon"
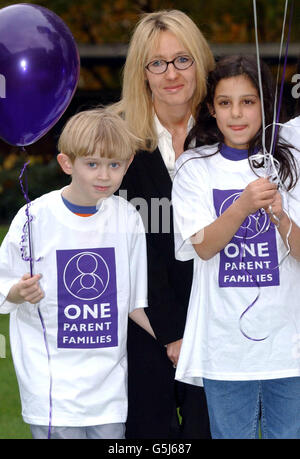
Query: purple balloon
(39, 71)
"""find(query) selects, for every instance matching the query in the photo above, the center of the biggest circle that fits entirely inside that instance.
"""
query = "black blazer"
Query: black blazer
(169, 280)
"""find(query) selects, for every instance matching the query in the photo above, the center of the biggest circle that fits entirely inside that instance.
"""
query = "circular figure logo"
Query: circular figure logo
(253, 225)
(86, 276)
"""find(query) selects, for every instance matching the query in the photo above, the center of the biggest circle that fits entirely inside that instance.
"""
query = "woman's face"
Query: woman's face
(173, 87)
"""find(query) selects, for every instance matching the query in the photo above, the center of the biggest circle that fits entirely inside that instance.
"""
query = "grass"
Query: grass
(11, 423)
(3, 230)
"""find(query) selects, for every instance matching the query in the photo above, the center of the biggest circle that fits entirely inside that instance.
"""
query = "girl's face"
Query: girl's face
(173, 87)
(237, 110)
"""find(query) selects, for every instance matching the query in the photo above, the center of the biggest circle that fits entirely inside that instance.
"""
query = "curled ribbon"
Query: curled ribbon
(271, 165)
(26, 232)
(26, 236)
(252, 304)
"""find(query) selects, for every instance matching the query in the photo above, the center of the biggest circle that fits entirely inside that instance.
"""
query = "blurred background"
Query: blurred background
(102, 29)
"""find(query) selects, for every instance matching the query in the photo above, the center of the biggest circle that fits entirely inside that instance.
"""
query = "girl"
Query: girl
(243, 326)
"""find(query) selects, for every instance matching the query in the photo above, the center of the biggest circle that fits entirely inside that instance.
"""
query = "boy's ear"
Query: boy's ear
(129, 162)
(211, 110)
(65, 163)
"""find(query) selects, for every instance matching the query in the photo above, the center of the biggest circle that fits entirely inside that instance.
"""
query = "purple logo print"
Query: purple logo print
(86, 276)
(254, 224)
(87, 298)
(250, 258)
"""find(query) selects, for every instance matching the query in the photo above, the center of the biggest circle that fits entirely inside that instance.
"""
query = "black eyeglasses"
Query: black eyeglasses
(161, 66)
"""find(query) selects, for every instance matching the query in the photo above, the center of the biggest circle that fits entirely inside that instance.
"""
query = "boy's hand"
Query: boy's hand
(257, 195)
(27, 289)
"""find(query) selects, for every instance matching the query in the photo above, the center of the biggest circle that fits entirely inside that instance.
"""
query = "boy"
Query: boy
(94, 275)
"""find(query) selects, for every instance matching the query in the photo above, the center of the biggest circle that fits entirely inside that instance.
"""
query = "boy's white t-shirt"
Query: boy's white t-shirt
(214, 344)
(94, 274)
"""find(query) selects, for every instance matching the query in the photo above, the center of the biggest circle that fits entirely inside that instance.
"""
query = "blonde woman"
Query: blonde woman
(164, 81)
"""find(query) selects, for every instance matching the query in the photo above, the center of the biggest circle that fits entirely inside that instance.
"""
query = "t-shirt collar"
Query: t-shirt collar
(233, 154)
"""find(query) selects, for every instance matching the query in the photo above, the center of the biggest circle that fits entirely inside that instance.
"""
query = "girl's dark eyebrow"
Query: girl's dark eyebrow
(243, 95)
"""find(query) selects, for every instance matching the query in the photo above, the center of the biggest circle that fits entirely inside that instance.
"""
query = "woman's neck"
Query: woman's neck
(174, 119)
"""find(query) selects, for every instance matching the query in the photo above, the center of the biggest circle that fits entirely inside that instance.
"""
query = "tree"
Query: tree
(107, 21)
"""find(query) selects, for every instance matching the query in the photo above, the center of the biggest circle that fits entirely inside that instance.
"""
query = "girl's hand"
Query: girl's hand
(275, 209)
(27, 289)
(257, 195)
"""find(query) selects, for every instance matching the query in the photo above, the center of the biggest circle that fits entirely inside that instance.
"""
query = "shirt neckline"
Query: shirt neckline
(68, 218)
(233, 154)
(76, 209)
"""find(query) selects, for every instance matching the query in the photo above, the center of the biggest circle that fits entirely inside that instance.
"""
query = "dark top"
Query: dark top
(149, 187)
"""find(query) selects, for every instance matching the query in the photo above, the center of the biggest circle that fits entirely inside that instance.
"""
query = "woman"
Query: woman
(164, 81)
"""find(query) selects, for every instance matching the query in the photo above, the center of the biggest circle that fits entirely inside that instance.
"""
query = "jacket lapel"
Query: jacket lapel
(157, 172)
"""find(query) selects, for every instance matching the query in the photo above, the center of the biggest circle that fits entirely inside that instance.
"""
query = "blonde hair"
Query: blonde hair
(136, 102)
(97, 131)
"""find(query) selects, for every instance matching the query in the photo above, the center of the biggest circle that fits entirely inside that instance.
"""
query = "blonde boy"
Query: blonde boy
(91, 250)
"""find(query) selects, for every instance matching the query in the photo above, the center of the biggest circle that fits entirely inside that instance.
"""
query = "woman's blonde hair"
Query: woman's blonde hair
(97, 131)
(136, 102)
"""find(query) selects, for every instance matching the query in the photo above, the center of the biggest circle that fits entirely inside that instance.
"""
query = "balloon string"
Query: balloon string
(277, 79)
(269, 165)
(49, 369)
(272, 169)
(253, 302)
(28, 217)
(283, 74)
(276, 118)
(29, 258)
(260, 80)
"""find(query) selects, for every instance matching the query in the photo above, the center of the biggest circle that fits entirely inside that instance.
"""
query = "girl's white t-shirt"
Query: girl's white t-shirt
(94, 274)
(221, 340)
(290, 132)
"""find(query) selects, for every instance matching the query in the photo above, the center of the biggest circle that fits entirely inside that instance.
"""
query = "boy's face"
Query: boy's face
(93, 178)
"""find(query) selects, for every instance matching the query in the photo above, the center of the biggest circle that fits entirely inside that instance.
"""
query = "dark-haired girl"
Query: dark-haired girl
(237, 218)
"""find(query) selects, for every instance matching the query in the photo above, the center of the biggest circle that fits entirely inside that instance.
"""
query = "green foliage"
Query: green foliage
(11, 423)
(104, 21)
(3, 231)
(41, 178)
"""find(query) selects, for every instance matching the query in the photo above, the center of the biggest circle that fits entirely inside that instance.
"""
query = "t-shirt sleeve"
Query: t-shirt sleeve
(291, 199)
(190, 198)
(290, 132)
(12, 266)
(137, 262)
